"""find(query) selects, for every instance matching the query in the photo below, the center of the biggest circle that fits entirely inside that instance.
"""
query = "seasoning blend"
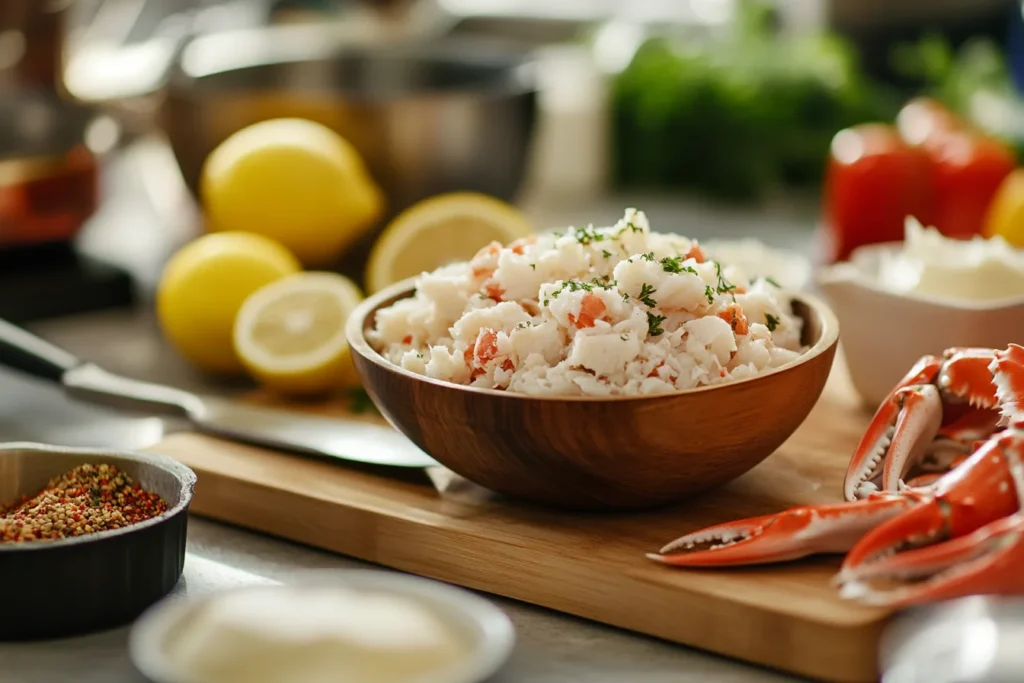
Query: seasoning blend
(88, 499)
(314, 635)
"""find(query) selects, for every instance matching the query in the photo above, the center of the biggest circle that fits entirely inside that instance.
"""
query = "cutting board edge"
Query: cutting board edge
(364, 546)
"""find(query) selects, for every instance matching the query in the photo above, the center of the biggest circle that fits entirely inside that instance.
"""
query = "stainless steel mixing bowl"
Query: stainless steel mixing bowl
(428, 116)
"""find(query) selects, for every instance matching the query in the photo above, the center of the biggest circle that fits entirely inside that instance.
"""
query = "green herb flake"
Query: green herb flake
(654, 324)
(533, 266)
(723, 286)
(606, 253)
(771, 321)
(675, 265)
(649, 256)
(709, 293)
(645, 295)
(772, 282)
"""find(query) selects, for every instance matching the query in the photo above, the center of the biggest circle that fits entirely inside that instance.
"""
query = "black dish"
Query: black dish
(56, 589)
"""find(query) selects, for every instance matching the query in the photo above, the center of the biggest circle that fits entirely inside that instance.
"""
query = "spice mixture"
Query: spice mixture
(88, 499)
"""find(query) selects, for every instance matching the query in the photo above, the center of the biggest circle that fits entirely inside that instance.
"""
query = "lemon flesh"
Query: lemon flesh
(291, 334)
(295, 181)
(203, 287)
(438, 231)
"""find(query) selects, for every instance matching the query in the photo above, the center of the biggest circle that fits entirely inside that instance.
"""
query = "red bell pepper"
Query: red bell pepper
(969, 166)
(874, 180)
(932, 165)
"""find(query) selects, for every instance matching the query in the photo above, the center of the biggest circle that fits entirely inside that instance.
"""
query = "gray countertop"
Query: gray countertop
(551, 647)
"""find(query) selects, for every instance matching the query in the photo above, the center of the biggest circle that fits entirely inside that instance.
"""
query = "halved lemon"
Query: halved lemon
(438, 231)
(290, 335)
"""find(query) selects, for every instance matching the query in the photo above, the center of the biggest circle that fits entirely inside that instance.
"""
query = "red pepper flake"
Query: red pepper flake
(88, 499)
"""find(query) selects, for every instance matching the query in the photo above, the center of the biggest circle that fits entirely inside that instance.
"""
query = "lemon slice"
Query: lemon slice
(438, 231)
(290, 334)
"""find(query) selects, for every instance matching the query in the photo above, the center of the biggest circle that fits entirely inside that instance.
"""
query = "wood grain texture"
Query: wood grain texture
(599, 453)
(590, 565)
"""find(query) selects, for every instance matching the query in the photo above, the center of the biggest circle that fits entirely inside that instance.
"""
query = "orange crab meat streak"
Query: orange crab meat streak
(733, 315)
(696, 253)
(494, 291)
(591, 308)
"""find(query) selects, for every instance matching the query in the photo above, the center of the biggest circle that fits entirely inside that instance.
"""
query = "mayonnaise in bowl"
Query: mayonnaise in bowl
(934, 266)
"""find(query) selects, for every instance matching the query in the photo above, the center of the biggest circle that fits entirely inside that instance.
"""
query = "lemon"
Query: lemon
(291, 334)
(203, 286)
(295, 181)
(441, 230)
(1005, 216)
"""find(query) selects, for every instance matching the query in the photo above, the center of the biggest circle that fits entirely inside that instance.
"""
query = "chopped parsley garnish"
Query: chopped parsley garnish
(649, 256)
(625, 297)
(624, 337)
(772, 282)
(675, 265)
(533, 266)
(654, 324)
(645, 295)
(588, 234)
(606, 253)
(723, 285)
(771, 321)
(709, 293)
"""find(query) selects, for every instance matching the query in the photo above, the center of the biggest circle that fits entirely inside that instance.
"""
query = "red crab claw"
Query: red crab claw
(953, 396)
(985, 562)
(866, 463)
(1008, 374)
(795, 533)
(981, 490)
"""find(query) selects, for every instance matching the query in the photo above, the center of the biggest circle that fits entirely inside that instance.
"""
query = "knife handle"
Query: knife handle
(24, 351)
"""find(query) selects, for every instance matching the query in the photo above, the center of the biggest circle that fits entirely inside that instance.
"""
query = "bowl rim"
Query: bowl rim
(492, 644)
(356, 325)
(200, 61)
(838, 272)
(184, 475)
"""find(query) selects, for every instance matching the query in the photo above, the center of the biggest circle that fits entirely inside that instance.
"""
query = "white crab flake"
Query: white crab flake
(596, 311)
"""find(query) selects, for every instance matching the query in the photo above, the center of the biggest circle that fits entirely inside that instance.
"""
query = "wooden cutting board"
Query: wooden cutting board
(593, 566)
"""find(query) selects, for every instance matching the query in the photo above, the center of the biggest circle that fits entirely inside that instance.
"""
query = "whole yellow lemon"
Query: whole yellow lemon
(295, 181)
(203, 287)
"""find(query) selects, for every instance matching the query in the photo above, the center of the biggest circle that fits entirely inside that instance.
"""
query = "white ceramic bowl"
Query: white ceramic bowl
(883, 333)
(488, 630)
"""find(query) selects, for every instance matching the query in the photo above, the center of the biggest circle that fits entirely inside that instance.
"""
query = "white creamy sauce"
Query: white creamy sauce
(931, 264)
(315, 635)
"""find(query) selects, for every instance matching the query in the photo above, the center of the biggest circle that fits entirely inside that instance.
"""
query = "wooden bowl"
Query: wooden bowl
(598, 453)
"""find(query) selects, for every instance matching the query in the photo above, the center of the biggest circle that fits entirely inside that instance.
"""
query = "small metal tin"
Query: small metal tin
(55, 589)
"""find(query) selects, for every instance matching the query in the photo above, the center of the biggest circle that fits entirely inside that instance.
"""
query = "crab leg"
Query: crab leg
(980, 491)
(985, 561)
(789, 535)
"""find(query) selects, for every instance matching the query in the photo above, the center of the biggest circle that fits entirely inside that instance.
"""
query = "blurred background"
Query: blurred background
(716, 116)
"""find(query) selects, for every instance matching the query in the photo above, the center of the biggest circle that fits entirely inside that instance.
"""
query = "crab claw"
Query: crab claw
(788, 535)
(981, 490)
(1008, 373)
(985, 562)
(874, 446)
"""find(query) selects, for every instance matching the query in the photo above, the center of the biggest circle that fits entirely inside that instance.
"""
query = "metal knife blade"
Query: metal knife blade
(341, 438)
(344, 439)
